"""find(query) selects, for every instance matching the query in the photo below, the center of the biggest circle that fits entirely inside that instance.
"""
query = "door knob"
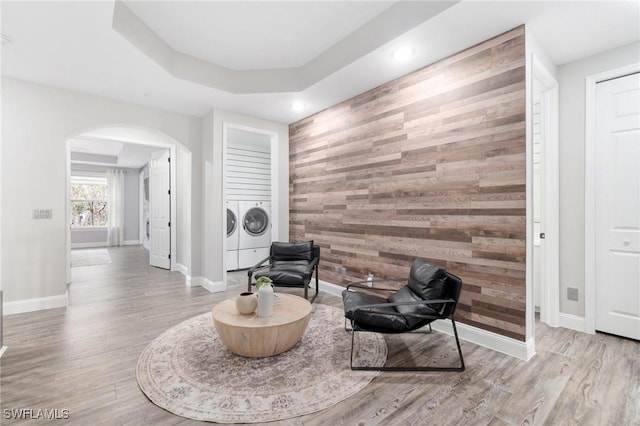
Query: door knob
(626, 242)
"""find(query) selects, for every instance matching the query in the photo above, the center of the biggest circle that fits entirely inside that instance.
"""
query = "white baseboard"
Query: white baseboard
(37, 304)
(189, 282)
(103, 244)
(493, 341)
(89, 245)
(2, 349)
(213, 287)
(331, 288)
(192, 281)
(572, 322)
(183, 270)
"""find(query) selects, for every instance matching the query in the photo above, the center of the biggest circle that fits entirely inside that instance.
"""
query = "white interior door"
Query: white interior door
(160, 210)
(617, 216)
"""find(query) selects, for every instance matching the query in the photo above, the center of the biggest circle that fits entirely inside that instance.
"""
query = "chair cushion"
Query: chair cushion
(298, 265)
(428, 281)
(405, 294)
(294, 273)
(383, 323)
(292, 251)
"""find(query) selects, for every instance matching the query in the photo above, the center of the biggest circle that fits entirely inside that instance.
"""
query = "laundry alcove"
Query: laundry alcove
(248, 188)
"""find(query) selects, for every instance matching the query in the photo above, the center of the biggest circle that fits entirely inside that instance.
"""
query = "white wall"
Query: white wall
(37, 120)
(89, 237)
(209, 259)
(1, 198)
(572, 167)
(184, 170)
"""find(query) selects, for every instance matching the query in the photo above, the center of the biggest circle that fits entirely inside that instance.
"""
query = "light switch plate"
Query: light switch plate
(42, 214)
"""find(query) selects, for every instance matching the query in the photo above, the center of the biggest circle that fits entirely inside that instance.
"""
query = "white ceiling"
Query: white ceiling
(255, 35)
(74, 45)
(107, 152)
(271, 74)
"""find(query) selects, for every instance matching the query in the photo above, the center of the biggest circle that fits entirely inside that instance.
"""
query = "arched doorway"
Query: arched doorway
(139, 141)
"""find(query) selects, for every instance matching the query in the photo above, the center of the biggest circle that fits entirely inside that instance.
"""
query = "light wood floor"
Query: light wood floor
(83, 359)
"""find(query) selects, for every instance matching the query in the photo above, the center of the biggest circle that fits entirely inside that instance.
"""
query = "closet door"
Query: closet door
(618, 206)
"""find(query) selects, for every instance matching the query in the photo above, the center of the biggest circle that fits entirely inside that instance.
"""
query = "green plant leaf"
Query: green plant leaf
(263, 281)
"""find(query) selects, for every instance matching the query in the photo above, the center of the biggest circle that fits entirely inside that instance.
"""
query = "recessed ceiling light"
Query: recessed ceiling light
(4, 39)
(298, 106)
(402, 54)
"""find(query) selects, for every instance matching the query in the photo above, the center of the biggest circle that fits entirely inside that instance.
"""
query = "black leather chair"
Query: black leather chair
(289, 265)
(431, 294)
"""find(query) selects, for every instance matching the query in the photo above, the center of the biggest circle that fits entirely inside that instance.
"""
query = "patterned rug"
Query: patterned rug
(189, 372)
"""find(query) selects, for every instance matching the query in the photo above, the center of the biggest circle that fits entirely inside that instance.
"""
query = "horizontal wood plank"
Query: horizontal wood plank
(433, 165)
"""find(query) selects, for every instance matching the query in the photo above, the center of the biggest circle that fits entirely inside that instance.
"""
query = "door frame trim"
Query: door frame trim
(550, 287)
(590, 189)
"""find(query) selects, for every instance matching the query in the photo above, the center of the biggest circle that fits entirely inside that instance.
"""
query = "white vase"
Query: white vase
(265, 301)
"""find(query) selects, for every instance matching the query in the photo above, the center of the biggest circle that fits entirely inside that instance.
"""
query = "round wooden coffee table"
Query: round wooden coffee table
(257, 337)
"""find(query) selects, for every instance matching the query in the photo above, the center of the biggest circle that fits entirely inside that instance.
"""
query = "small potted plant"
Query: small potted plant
(263, 281)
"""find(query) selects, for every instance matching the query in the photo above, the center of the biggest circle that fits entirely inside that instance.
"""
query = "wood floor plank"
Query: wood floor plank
(83, 359)
(534, 406)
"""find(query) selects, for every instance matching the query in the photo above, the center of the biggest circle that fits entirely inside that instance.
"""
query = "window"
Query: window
(88, 201)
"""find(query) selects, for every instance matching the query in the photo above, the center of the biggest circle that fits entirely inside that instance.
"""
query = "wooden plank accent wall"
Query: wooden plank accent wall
(429, 165)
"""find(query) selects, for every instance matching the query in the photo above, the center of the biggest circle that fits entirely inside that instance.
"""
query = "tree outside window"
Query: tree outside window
(88, 202)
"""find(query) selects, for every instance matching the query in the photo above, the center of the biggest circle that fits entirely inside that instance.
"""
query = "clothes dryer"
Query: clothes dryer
(255, 232)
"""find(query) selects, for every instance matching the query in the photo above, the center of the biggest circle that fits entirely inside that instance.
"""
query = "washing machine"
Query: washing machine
(255, 232)
(233, 235)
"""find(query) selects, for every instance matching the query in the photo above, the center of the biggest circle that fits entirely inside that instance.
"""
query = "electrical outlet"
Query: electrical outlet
(572, 293)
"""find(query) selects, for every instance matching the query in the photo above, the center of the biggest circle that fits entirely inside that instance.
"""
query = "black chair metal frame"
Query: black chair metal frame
(313, 265)
(372, 309)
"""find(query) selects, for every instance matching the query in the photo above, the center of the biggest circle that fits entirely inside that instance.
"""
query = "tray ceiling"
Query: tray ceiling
(167, 58)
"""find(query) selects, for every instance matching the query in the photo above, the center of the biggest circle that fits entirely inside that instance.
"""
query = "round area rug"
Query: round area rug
(188, 371)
